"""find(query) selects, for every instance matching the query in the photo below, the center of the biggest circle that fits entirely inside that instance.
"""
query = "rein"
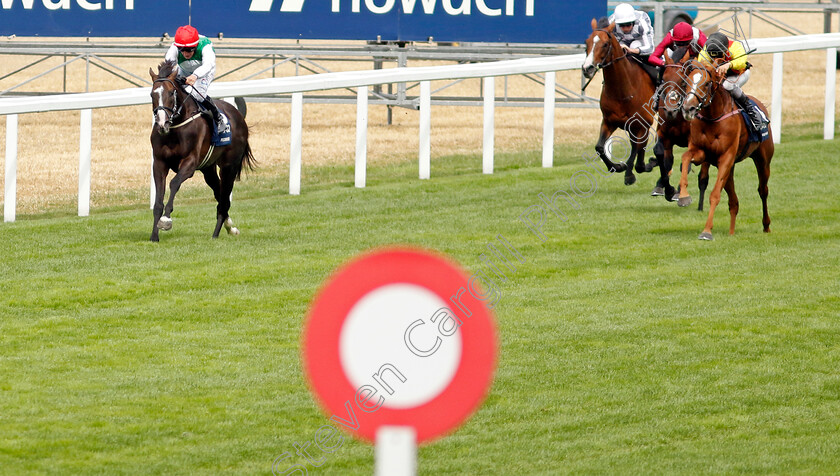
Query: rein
(604, 64)
(173, 113)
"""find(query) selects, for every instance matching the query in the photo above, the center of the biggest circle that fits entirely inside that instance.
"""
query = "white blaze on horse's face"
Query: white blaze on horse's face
(691, 101)
(160, 117)
(590, 58)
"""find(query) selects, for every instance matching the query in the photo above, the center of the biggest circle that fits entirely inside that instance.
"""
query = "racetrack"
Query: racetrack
(627, 345)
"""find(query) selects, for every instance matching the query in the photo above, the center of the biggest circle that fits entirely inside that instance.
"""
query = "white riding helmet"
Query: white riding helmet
(624, 13)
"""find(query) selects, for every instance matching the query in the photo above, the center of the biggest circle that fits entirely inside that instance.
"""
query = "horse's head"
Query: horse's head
(166, 95)
(601, 47)
(700, 83)
(671, 92)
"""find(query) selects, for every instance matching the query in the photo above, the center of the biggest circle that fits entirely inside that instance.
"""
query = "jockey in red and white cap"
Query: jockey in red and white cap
(683, 35)
(196, 65)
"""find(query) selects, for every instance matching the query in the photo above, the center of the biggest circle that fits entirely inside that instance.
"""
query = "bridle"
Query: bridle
(171, 113)
(603, 64)
(662, 86)
(705, 99)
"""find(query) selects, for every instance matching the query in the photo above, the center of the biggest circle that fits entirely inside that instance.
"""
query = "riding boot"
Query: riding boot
(744, 103)
(217, 118)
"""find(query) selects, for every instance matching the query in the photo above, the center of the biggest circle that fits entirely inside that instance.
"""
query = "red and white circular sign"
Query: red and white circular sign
(384, 344)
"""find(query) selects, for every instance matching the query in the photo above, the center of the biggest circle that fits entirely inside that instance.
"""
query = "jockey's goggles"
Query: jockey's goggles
(682, 43)
(622, 25)
(186, 49)
(716, 54)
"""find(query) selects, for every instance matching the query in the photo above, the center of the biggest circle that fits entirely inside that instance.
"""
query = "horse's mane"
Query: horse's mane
(166, 68)
(603, 22)
(679, 53)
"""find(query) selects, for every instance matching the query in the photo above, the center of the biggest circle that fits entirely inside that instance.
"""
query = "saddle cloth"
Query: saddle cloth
(220, 138)
(756, 134)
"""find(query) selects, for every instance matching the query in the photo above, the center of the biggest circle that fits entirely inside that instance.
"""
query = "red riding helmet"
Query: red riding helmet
(186, 36)
(682, 32)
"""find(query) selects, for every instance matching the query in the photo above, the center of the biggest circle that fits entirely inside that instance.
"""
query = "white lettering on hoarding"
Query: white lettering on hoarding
(65, 4)
(381, 7)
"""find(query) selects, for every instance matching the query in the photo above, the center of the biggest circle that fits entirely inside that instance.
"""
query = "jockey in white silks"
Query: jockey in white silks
(197, 66)
(633, 30)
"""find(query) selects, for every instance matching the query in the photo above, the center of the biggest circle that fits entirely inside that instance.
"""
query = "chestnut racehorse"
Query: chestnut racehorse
(186, 146)
(719, 136)
(673, 128)
(627, 89)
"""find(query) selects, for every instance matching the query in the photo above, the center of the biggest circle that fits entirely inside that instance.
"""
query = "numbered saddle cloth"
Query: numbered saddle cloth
(756, 134)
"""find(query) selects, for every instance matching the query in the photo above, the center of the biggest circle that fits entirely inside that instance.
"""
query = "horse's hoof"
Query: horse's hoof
(657, 192)
(619, 167)
(671, 194)
(629, 179)
(652, 162)
(165, 223)
(233, 231)
(684, 201)
(705, 236)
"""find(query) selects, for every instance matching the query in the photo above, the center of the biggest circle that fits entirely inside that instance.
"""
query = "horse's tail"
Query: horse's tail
(248, 160)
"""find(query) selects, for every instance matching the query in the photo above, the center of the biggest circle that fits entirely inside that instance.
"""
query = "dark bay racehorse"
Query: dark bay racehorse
(673, 129)
(627, 89)
(719, 136)
(181, 142)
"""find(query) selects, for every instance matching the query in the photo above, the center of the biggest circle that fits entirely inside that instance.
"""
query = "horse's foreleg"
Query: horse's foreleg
(159, 172)
(725, 164)
(733, 200)
(694, 154)
(606, 132)
(703, 183)
(186, 171)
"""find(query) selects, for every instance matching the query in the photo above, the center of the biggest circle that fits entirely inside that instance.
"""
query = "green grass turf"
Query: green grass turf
(627, 345)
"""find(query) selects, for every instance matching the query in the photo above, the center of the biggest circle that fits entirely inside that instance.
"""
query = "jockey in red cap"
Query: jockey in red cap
(197, 66)
(683, 35)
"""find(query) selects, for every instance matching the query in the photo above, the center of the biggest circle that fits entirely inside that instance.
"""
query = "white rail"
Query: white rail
(298, 85)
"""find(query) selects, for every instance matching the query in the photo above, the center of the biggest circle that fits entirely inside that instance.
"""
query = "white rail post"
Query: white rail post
(548, 120)
(85, 130)
(361, 136)
(10, 196)
(395, 453)
(489, 124)
(296, 144)
(776, 98)
(425, 129)
(830, 81)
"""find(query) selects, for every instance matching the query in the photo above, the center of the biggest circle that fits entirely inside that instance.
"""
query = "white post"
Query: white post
(396, 451)
(489, 124)
(425, 129)
(152, 181)
(85, 130)
(296, 144)
(361, 135)
(830, 81)
(11, 168)
(548, 120)
(776, 98)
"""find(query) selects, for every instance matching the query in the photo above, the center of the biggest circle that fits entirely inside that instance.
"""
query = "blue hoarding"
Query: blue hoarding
(506, 21)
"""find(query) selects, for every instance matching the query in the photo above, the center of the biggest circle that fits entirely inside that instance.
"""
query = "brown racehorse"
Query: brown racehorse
(673, 128)
(185, 147)
(627, 89)
(720, 138)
